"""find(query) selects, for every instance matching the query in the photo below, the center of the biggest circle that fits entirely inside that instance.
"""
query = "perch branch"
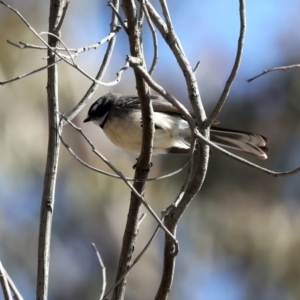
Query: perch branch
(144, 160)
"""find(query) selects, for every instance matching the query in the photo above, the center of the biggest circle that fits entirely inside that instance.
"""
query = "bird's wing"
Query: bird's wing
(159, 105)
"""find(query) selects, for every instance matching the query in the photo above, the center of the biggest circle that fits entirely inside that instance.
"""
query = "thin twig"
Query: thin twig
(111, 36)
(157, 20)
(77, 52)
(141, 20)
(112, 83)
(28, 25)
(142, 218)
(196, 67)
(29, 73)
(154, 37)
(76, 66)
(283, 68)
(104, 283)
(94, 46)
(189, 175)
(4, 283)
(173, 42)
(62, 57)
(63, 43)
(16, 293)
(22, 46)
(123, 24)
(167, 16)
(234, 70)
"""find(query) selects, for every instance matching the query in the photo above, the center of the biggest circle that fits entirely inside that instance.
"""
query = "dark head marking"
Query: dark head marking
(99, 110)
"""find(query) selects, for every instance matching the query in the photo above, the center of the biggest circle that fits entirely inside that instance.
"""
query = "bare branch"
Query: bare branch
(116, 13)
(234, 71)
(4, 283)
(112, 83)
(94, 46)
(77, 52)
(5, 276)
(48, 197)
(29, 26)
(94, 80)
(196, 67)
(103, 287)
(173, 42)
(63, 43)
(16, 293)
(140, 21)
(62, 57)
(76, 66)
(188, 177)
(28, 74)
(61, 20)
(142, 218)
(144, 161)
(283, 68)
(154, 37)
(22, 46)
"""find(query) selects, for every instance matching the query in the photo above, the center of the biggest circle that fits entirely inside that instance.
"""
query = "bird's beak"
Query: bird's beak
(87, 119)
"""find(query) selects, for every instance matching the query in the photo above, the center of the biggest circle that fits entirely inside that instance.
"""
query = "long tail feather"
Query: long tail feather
(252, 143)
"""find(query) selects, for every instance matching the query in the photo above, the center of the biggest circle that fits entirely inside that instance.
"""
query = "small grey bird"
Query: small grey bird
(120, 119)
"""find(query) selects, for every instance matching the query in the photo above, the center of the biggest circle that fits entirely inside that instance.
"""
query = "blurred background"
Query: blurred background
(239, 239)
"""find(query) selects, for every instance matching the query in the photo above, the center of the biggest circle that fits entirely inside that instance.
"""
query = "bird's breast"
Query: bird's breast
(125, 132)
(124, 129)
